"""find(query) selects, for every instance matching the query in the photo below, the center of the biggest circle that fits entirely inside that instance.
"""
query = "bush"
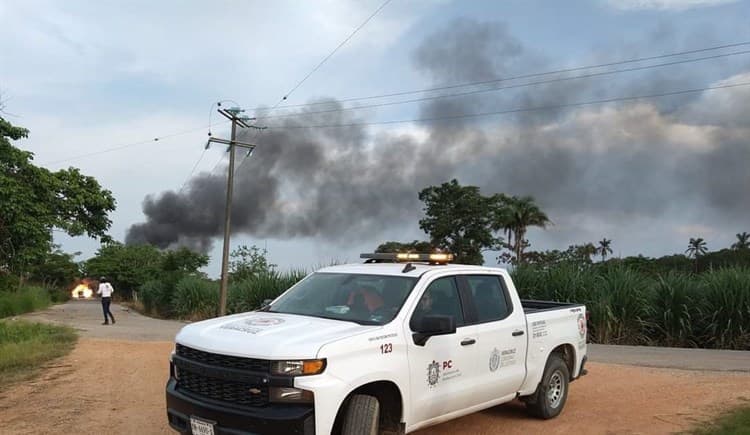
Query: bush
(25, 300)
(195, 298)
(154, 296)
(8, 282)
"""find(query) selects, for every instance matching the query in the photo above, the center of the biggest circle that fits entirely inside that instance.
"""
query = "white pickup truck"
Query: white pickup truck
(379, 347)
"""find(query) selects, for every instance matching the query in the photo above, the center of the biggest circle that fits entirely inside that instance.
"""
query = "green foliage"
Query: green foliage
(247, 262)
(34, 200)
(25, 346)
(734, 422)
(726, 308)
(24, 300)
(56, 268)
(459, 219)
(514, 215)
(184, 260)
(249, 294)
(415, 246)
(9, 282)
(631, 306)
(155, 296)
(676, 309)
(195, 298)
(126, 266)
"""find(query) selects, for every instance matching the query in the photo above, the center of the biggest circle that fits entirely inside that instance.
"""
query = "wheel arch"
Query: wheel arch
(391, 405)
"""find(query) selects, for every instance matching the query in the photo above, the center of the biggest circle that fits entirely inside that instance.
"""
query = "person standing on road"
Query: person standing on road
(106, 289)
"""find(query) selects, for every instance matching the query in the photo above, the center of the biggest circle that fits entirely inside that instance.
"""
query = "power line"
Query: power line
(192, 171)
(325, 59)
(518, 110)
(520, 85)
(121, 147)
(522, 76)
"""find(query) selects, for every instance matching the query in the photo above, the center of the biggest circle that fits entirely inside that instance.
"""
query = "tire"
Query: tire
(550, 396)
(362, 416)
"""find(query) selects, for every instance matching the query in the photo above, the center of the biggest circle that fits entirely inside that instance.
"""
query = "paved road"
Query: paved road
(86, 317)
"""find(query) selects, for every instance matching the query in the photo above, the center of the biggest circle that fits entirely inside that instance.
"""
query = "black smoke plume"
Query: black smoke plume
(615, 162)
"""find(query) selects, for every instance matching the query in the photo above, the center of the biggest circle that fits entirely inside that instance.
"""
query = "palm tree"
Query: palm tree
(743, 241)
(604, 248)
(519, 213)
(696, 248)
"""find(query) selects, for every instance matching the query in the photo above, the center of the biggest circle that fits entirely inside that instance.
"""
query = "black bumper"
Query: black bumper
(271, 419)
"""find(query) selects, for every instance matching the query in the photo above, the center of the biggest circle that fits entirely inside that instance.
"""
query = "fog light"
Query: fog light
(289, 395)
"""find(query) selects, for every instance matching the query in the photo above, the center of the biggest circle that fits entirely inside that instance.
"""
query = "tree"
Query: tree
(458, 219)
(514, 215)
(183, 260)
(604, 248)
(696, 249)
(34, 200)
(743, 241)
(248, 262)
(126, 266)
(57, 268)
(415, 246)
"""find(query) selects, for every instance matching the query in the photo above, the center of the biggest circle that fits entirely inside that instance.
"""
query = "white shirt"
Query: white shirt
(105, 289)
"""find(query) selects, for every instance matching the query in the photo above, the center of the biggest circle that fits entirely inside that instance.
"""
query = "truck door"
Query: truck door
(441, 373)
(500, 334)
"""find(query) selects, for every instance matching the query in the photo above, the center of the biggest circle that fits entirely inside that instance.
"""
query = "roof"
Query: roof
(396, 268)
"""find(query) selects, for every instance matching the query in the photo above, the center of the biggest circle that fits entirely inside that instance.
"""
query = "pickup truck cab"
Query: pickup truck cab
(379, 347)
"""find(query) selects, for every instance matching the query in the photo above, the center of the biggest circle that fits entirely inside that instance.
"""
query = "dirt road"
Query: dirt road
(113, 386)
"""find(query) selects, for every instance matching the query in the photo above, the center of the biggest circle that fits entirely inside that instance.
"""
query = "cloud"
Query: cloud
(678, 5)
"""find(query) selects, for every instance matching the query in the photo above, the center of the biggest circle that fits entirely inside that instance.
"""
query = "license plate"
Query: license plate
(201, 427)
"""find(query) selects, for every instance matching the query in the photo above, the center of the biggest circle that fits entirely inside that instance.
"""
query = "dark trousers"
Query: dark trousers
(105, 308)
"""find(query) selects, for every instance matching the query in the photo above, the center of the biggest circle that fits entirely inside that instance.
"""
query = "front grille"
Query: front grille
(234, 393)
(230, 362)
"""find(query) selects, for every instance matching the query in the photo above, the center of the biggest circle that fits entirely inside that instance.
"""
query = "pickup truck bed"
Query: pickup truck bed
(534, 306)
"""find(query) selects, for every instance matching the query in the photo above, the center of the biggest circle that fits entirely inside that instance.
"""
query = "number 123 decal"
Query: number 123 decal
(386, 348)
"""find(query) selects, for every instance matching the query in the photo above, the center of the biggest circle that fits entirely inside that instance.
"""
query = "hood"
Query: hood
(267, 335)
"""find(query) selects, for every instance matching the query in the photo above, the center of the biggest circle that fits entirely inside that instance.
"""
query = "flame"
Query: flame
(82, 291)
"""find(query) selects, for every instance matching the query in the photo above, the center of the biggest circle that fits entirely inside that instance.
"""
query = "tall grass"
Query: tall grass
(23, 300)
(195, 298)
(627, 306)
(25, 346)
(726, 308)
(249, 294)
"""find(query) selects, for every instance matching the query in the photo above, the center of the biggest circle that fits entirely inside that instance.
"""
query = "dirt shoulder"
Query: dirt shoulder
(116, 387)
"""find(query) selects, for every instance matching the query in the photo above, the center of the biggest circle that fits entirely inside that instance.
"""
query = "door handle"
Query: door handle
(517, 333)
(468, 341)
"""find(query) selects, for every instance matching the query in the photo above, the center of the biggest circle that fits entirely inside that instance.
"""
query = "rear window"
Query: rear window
(489, 297)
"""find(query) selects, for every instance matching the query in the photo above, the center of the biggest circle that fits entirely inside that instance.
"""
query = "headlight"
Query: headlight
(298, 367)
(290, 395)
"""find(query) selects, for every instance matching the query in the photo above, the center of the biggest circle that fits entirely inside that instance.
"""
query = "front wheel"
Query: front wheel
(362, 416)
(549, 398)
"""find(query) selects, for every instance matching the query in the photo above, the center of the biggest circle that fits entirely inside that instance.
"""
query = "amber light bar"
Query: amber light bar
(409, 256)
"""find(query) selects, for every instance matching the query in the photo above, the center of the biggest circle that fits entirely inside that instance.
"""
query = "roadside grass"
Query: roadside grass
(23, 300)
(25, 347)
(734, 422)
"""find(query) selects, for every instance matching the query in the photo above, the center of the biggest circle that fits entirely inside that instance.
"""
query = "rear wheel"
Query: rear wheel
(549, 398)
(362, 416)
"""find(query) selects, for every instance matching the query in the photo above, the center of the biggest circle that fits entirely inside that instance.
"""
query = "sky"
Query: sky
(97, 82)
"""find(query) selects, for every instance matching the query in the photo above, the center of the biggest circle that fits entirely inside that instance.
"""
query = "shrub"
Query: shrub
(25, 300)
(195, 298)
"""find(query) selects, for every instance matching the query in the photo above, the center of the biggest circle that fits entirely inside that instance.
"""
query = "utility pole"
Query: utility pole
(233, 115)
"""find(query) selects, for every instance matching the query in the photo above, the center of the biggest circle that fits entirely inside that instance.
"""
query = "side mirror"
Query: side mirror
(433, 325)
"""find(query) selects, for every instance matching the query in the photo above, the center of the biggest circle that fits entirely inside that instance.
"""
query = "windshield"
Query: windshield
(365, 299)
